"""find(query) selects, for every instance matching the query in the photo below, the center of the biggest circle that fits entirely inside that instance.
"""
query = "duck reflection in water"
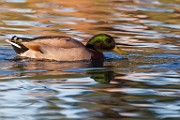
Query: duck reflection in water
(103, 76)
(53, 69)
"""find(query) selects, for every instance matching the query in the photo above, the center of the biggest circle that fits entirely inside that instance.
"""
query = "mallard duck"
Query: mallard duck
(62, 48)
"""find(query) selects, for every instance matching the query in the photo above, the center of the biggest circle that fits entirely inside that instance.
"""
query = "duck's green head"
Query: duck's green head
(103, 43)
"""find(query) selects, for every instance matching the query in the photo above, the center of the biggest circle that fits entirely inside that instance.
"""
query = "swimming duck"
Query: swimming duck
(62, 48)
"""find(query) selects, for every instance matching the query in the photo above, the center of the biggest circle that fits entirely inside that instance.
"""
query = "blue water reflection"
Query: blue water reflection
(144, 84)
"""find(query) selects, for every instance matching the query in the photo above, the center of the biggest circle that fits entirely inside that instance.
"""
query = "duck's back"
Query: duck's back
(58, 41)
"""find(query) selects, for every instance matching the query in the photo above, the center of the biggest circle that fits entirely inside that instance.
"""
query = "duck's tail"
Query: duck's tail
(17, 46)
(13, 43)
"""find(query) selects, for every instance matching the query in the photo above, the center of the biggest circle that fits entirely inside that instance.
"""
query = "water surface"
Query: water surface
(141, 85)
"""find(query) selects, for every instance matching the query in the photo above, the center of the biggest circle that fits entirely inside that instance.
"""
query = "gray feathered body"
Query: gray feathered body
(60, 48)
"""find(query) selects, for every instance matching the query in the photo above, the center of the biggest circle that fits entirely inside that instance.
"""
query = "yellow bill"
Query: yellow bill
(118, 50)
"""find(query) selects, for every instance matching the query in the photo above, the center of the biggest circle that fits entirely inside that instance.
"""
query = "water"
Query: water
(141, 85)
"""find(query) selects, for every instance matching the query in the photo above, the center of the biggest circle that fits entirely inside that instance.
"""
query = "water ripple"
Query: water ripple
(144, 84)
(24, 23)
(144, 8)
